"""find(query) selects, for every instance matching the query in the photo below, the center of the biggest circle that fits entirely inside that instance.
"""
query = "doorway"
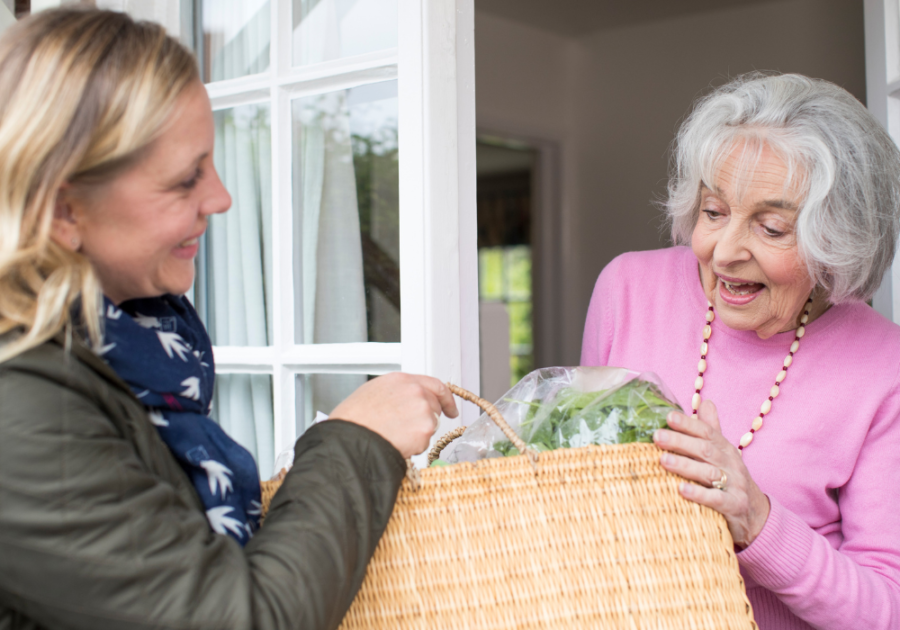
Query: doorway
(506, 181)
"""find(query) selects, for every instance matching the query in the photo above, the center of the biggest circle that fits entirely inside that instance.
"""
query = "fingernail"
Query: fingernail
(673, 418)
(685, 489)
(666, 459)
(660, 437)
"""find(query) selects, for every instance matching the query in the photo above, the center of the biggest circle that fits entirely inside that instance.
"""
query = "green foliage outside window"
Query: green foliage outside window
(377, 172)
(376, 167)
(504, 275)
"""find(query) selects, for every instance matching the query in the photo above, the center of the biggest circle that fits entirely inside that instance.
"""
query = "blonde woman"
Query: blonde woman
(122, 505)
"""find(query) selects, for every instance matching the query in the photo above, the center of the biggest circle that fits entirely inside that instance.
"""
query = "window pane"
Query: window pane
(520, 339)
(331, 29)
(346, 222)
(518, 272)
(233, 290)
(504, 275)
(322, 393)
(490, 273)
(520, 365)
(242, 405)
(235, 39)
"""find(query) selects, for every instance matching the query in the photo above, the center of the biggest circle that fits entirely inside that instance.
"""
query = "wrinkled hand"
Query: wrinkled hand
(699, 451)
(403, 408)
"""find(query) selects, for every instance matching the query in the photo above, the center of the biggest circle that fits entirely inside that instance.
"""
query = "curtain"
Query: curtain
(327, 218)
(331, 29)
(330, 298)
(330, 302)
(316, 35)
(238, 35)
(235, 290)
(242, 405)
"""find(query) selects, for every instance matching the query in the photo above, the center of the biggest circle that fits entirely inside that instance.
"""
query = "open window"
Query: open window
(347, 142)
(345, 133)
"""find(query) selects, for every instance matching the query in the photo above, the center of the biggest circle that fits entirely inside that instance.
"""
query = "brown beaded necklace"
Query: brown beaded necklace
(766, 407)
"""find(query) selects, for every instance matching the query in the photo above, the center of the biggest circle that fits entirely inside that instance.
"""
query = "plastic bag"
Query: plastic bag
(562, 407)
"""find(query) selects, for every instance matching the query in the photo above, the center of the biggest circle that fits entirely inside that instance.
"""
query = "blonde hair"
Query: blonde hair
(83, 95)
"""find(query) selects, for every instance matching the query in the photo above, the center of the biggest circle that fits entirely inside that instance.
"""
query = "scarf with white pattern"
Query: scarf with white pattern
(161, 349)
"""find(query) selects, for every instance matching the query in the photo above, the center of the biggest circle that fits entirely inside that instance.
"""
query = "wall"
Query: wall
(617, 100)
(523, 82)
(521, 77)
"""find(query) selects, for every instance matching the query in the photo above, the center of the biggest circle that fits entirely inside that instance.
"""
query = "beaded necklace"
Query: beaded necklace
(766, 407)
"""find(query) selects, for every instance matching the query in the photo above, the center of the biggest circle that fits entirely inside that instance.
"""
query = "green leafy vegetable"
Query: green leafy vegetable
(571, 419)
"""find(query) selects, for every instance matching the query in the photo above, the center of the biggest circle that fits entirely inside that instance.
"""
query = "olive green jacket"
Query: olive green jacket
(100, 529)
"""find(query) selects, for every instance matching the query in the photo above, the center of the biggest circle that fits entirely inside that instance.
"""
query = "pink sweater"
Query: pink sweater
(828, 456)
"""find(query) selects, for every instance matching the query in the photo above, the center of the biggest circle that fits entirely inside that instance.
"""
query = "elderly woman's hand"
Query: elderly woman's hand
(698, 451)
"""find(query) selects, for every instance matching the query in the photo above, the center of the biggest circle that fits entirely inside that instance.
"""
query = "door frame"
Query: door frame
(546, 230)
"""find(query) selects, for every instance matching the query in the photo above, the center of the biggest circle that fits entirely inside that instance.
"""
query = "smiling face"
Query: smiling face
(140, 230)
(745, 241)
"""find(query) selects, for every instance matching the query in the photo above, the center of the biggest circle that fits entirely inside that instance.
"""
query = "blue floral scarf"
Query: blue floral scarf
(161, 349)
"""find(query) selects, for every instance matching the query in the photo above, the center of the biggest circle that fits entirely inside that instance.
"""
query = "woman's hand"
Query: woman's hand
(701, 453)
(402, 408)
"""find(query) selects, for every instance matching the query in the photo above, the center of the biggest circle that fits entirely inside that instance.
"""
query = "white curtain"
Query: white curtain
(238, 34)
(333, 296)
(329, 288)
(331, 29)
(331, 302)
(317, 37)
(237, 286)
(243, 408)
(240, 241)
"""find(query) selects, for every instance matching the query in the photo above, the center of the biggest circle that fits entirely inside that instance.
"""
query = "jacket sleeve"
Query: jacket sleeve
(327, 518)
(91, 539)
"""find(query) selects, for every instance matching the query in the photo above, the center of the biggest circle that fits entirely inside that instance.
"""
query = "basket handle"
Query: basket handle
(494, 415)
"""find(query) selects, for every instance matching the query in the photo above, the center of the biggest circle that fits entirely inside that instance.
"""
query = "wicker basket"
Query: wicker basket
(594, 537)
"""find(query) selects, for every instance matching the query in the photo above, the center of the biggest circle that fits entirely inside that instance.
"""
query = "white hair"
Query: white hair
(839, 158)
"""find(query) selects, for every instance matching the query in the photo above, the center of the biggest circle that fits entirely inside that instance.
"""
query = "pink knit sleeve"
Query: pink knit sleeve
(598, 327)
(858, 584)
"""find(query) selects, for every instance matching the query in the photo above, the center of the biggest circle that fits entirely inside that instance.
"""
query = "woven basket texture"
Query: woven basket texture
(268, 490)
(595, 537)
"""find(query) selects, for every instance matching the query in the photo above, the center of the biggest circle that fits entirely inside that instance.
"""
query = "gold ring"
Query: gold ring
(720, 484)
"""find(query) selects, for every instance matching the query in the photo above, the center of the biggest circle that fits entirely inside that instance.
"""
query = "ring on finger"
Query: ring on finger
(719, 484)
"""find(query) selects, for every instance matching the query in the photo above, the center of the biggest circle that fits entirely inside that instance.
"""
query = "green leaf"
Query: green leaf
(570, 419)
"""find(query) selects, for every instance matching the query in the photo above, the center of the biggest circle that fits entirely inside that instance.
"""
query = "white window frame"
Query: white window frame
(882, 32)
(434, 64)
(435, 69)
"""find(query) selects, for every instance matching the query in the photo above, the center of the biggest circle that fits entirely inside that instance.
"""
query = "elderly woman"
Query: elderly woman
(785, 198)
(122, 504)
